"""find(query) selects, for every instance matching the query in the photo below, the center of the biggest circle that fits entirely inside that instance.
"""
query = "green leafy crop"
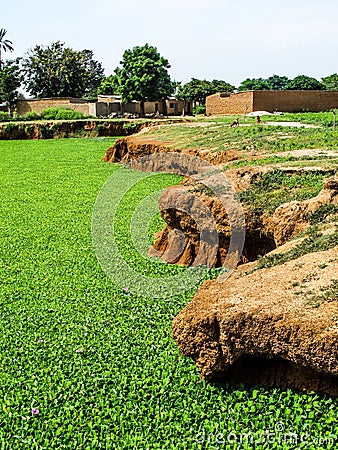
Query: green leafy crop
(86, 365)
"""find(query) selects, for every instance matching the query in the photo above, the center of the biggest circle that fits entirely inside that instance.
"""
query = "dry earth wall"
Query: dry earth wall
(284, 101)
(240, 103)
(295, 101)
(37, 105)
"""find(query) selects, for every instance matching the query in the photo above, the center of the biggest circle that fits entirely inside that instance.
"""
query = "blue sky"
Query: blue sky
(221, 39)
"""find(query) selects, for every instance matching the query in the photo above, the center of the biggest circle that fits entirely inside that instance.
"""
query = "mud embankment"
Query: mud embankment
(264, 232)
(129, 148)
(273, 326)
(74, 128)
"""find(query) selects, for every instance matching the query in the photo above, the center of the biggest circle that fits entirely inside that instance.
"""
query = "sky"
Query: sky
(205, 39)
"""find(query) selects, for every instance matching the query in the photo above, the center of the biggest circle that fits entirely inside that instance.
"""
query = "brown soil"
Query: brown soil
(70, 128)
(260, 326)
(257, 328)
(262, 235)
(136, 146)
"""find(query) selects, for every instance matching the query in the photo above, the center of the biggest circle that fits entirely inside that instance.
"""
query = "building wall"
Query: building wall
(284, 101)
(37, 105)
(175, 107)
(294, 101)
(102, 108)
(239, 103)
(108, 99)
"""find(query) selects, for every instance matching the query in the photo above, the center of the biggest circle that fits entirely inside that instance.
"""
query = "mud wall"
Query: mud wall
(37, 105)
(284, 101)
(295, 101)
(239, 103)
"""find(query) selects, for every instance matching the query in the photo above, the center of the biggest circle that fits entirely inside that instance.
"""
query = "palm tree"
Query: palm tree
(5, 44)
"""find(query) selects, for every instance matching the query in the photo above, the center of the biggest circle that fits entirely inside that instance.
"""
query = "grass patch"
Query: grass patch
(330, 293)
(314, 243)
(278, 187)
(322, 213)
(300, 161)
(100, 364)
(218, 136)
(324, 119)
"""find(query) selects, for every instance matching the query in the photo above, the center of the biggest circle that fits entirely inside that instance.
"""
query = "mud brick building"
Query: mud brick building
(103, 107)
(38, 104)
(283, 101)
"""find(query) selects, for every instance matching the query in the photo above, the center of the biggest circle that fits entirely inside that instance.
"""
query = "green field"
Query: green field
(215, 134)
(98, 363)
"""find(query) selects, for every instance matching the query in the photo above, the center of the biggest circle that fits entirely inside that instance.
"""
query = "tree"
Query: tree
(220, 86)
(10, 81)
(59, 71)
(143, 76)
(277, 82)
(254, 84)
(304, 83)
(109, 86)
(331, 82)
(183, 94)
(197, 90)
(5, 44)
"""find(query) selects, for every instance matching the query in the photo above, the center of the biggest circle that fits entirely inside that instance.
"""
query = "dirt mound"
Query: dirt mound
(257, 329)
(291, 218)
(138, 145)
(192, 220)
(263, 233)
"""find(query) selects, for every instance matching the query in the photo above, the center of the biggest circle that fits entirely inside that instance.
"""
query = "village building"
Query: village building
(105, 106)
(240, 103)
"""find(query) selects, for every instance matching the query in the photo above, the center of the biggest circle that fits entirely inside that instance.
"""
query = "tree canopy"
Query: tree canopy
(5, 44)
(59, 71)
(277, 82)
(197, 90)
(303, 83)
(10, 81)
(331, 82)
(254, 84)
(143, 76)
(109, 86)
(281, 83)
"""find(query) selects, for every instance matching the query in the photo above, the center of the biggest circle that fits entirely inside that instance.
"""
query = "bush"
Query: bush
(130, 127)
(4, 117)
(31, 115)
(198, 109)
(60, 114)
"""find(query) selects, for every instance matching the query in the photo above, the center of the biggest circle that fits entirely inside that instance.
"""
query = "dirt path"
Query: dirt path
(306, 152)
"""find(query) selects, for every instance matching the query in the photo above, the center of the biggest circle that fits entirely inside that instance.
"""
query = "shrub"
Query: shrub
(31, 115)
(10, 127)
(46, 132)
(130, 127)
(69, 114)
(322, 213)
(4, 117)
(198, 109)
(60, 114)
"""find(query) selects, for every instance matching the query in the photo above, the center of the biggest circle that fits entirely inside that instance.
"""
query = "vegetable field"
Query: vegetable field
(87, 365)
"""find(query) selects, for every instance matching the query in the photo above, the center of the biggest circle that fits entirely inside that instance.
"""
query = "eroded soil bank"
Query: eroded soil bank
(75, 128)
(273, 321)
(273, 326)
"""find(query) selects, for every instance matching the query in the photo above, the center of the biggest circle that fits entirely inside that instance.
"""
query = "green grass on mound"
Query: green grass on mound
(98, 363)
(219, 137)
